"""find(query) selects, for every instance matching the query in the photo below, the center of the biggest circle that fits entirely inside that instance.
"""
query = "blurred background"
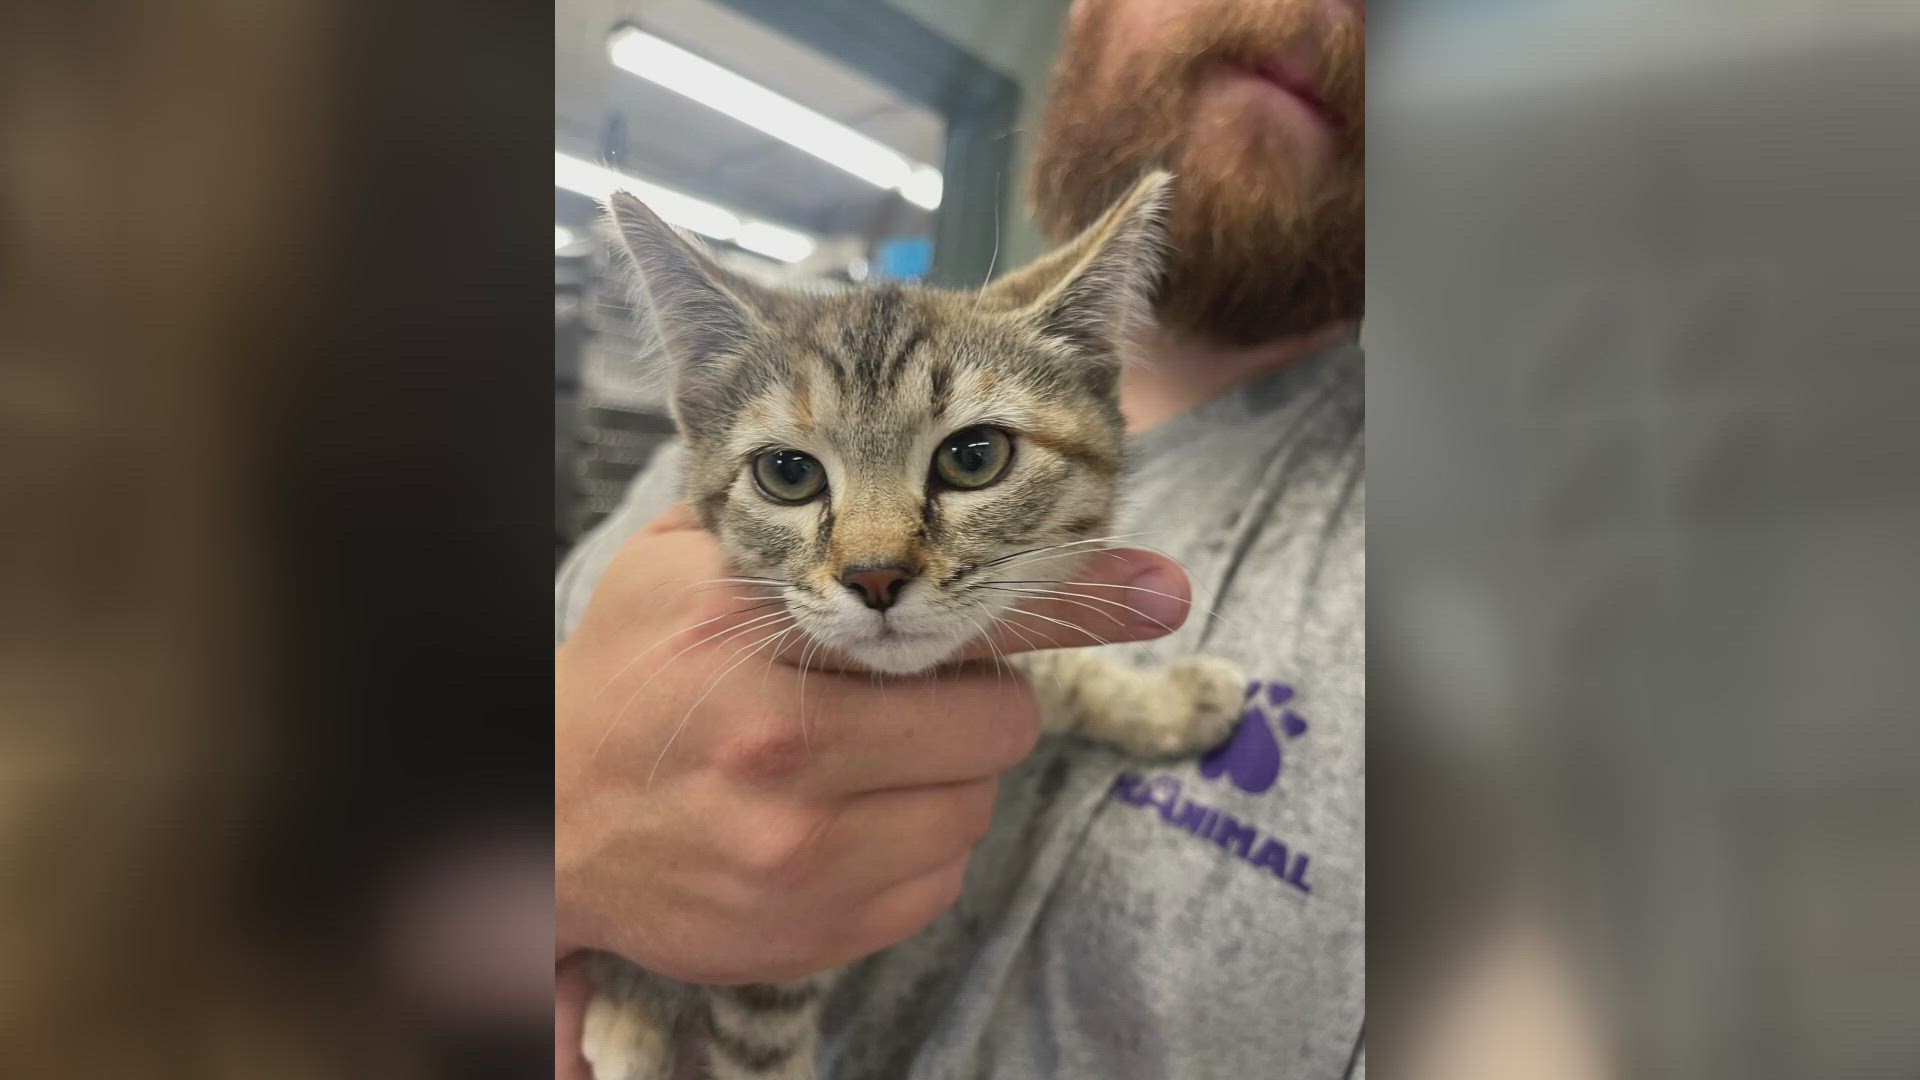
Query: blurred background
(1644, 599)
(274, 544)
(816, 143)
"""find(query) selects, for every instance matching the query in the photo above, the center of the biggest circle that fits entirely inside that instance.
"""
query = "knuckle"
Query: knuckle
(911, 907)
(958, 837)
(932, 898)
(785, 848)
(771, 748)
(950, 885)
(965, 818)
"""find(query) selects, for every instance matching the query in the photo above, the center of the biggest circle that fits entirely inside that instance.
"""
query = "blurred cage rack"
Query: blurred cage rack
(611, 411)
(617, 413)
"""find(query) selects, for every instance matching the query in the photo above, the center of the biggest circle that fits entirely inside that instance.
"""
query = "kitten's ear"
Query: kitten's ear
(1096, 291)
(702, 308)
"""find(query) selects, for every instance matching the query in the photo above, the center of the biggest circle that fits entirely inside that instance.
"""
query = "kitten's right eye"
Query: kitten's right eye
(789, 476)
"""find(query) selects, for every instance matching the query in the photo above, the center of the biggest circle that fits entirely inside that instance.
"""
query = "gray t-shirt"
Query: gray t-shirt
(1186, 921)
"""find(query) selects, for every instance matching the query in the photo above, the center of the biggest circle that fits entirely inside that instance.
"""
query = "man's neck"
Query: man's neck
(1179, 371)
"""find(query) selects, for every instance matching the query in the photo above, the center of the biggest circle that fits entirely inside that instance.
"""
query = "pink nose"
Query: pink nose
(877, 586)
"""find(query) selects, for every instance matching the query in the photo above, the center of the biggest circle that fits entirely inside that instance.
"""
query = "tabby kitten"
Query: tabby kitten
(878, 450)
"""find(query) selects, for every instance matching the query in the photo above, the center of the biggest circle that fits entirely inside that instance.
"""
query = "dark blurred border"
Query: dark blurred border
(274, 374)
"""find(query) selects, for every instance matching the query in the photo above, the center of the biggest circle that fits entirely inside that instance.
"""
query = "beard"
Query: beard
(1263, 240)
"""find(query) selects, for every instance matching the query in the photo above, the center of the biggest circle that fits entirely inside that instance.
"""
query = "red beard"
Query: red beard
(1260, 244)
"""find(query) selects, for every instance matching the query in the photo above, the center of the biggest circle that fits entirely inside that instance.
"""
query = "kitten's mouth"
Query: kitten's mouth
(891, 649)
(892, 637)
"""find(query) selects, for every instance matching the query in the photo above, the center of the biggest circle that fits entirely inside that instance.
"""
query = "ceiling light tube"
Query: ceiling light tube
(706, 82)
(598, 182)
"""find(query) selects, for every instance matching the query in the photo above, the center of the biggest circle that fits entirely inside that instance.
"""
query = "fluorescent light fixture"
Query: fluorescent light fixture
(599, 182)
(562, 236)
(757, 107)
(923, 187)
(773, 241)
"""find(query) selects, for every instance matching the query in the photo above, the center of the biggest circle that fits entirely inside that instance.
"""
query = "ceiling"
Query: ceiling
(681, 144)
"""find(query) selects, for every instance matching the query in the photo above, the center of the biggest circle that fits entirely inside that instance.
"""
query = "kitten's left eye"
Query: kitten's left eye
(973, 457)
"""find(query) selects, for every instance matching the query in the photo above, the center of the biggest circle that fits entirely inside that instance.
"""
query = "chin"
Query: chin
(904, 646)
(904, 656)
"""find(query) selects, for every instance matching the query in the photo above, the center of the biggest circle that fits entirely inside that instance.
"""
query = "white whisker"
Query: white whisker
(1014, 629)
(712, 583)
(675, 634)
(1059, 622)
(711, 687)
(1104, 585)
(994, 259)
(718, 635)
(1063, 547)
(768, 673)
(1061, 595)
(813, 646)
(986, 635)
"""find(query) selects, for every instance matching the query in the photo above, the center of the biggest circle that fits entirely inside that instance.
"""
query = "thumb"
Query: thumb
(676, 518)
(1109, 596)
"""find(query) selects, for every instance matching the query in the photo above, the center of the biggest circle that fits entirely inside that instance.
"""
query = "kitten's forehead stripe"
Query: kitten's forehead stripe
(840, 375)
(863, 321)
(890, 374)
(802, 406)
(940, 378)
(866, 335)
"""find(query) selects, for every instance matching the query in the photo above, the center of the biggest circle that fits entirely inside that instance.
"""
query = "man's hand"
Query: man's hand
(711, 830)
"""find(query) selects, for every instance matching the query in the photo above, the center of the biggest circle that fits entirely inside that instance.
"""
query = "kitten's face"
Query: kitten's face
(885, 451)
(889, 455)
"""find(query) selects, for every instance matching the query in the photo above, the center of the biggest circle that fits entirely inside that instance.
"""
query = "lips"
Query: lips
(1297, 79)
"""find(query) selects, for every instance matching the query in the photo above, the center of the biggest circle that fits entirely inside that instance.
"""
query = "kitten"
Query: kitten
(879, 450)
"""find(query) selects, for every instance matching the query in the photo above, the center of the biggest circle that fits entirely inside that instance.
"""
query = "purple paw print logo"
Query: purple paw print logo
(1252, 757)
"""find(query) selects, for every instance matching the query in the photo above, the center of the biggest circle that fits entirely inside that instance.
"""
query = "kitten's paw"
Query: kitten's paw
(1215, 692)
(1192, 706)
(624, 1039)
